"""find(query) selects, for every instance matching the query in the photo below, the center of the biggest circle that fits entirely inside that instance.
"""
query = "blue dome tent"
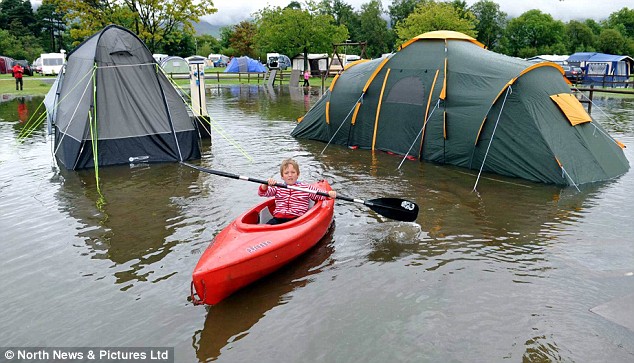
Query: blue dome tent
(245, 64)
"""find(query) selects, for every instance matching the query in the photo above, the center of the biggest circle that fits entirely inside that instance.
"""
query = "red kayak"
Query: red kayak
(247, 249)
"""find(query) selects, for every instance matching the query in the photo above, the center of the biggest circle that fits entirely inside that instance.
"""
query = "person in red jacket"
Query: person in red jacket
(17, 74)
(289, 203)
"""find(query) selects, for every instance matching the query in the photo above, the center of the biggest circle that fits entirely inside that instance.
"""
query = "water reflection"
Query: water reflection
(132, 220)
(263, 101)
(542, 349)
(506, 219)
(23, 111)
(26, 110)
(231, 319)
(621, 114)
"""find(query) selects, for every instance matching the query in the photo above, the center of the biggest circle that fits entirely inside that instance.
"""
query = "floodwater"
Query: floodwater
(509, 273)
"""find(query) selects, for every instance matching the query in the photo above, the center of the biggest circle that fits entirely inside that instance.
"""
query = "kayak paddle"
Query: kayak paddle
(393, 208)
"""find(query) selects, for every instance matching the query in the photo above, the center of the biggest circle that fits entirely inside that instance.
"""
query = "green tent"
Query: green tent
(175, 65)
(444, 98)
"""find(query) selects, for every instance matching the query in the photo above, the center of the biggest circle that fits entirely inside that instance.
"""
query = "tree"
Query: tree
(50, 20)
(374, 29)
(594, 26)
(462, 9)
(611, 41)
(178, 43)
(242, 39)
(207, 44)
(623, 19)
(294, 5)
(580, 37)
(400, 9)
(88, 17)
(19, 47)
(343, 14)
(226, 32)
(17, 17)
(225, 36)
(152, 20)
(535, 33)
(294, 31)
(429, 16)
(491, 22)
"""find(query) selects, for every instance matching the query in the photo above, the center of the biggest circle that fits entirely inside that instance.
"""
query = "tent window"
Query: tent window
(408, 90)
(121, 53)
(572, 108)
(597, 68)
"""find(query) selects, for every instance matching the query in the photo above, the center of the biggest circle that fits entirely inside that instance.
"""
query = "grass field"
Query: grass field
(38, 85)
(34, 86)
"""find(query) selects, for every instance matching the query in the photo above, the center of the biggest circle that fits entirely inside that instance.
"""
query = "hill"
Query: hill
(203, 27)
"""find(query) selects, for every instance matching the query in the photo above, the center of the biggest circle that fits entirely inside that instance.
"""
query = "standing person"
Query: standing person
(306, 77)
(17, 74)
(289, 203)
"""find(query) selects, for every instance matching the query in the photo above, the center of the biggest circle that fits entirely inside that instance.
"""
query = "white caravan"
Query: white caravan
(52, 63)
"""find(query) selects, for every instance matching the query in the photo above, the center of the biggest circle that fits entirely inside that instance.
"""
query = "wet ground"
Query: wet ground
(516, 271)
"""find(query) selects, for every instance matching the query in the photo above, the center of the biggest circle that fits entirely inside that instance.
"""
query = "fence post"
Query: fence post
(590, 97)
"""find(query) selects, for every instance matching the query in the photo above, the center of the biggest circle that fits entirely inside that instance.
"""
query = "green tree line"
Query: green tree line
(310, 26)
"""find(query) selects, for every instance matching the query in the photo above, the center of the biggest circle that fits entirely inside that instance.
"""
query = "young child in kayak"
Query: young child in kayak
(289, 203)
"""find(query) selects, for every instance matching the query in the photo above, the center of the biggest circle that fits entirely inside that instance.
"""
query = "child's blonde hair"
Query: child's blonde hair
(288, 162)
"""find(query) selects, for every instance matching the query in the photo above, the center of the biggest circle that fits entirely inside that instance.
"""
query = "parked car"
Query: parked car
(574, 74)
(28, 71)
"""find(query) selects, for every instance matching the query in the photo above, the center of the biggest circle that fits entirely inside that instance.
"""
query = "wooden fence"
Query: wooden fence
(606, 81)
(591, 90)
(281, 78)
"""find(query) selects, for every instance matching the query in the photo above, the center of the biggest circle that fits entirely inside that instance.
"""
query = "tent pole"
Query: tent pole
(342, 122)
(169, 114)
(378, 108)
(508, 90)
(431, 93)
(419, 134)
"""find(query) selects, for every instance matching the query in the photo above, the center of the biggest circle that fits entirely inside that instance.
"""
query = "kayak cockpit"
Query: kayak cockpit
(264, 212)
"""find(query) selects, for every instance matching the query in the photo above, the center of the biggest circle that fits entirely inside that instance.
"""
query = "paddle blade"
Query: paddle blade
(394, 208)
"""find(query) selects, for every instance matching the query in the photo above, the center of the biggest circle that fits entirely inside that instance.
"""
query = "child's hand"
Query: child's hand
(272, 181)
(332, 194)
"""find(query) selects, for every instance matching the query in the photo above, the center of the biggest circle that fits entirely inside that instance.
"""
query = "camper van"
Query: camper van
(52, 63)
(277, 61)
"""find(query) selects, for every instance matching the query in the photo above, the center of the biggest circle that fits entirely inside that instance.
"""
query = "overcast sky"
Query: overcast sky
(233, 11)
